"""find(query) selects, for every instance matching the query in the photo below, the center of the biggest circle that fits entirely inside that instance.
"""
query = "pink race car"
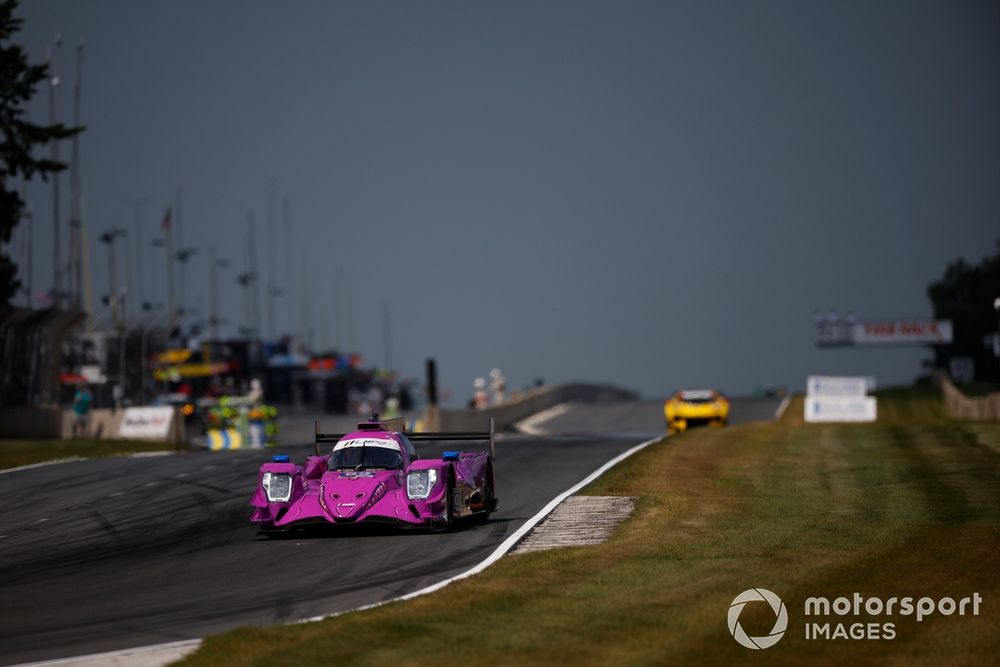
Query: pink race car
(375, 475)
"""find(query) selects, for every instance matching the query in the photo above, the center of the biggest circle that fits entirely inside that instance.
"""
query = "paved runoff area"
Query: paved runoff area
(577, 522)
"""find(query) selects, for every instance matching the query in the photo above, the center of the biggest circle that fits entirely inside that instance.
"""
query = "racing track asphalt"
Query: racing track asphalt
(109, 554)
(643, 418)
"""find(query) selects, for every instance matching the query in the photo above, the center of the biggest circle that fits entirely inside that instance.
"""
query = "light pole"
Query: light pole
(53, 120)
(140, 289)
(75, 275)
(147, 307)
(108, 238)
(214, 265)
(246, 280)
(183, 256)
(167, 243)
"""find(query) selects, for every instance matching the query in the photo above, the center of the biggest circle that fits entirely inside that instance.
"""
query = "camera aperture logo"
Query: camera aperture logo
(823, 616)
(780, 622)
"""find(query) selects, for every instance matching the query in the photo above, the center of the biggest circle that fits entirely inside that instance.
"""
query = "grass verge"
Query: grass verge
(14, 453)
(907, 506)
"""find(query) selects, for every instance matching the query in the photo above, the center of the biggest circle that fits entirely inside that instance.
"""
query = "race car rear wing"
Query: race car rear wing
(490, 435)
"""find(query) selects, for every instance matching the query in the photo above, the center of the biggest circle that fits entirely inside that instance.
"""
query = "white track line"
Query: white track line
(74, 459)
(145, 656)
(507, 544)
(531, 425)
(53, 462)
(782, 407)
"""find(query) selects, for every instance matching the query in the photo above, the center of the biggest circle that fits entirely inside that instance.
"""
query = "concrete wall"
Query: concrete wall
(104, 424)
(960, 406)
(531, 402)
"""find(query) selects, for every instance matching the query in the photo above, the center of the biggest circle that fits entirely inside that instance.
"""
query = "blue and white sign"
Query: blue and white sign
(820, 409)
(829, 385)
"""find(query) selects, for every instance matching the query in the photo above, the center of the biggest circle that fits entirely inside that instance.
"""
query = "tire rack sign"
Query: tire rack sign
(903, 332)
(885, 332)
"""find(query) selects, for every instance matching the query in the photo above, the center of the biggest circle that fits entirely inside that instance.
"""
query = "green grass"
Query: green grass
(14, 453)
(907, 506)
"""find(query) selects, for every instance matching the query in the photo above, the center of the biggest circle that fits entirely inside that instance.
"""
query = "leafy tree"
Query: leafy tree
(965, 295)
(19, 138)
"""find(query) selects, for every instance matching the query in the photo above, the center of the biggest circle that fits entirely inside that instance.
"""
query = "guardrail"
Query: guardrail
(960, 406)
(530, 403)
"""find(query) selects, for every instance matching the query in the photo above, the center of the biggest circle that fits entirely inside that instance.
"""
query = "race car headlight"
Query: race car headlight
(420, 482)
(277, 486)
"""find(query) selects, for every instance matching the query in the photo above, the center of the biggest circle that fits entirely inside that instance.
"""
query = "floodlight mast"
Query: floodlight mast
(54, 120)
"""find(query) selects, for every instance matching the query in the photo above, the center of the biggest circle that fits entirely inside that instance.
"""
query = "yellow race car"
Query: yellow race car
(695, 406)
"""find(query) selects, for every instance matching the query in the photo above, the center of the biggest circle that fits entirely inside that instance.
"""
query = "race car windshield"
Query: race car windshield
(360, 458)
(697, 397)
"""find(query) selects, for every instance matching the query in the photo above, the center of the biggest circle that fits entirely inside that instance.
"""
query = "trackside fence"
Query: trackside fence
(960, 406)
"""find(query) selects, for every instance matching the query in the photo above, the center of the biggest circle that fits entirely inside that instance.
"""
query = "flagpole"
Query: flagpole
(171, 303)
(178, 221)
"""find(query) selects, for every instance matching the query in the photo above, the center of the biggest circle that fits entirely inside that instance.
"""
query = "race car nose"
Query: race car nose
(344, 500)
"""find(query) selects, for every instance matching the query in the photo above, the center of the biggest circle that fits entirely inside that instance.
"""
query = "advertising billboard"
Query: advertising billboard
(902, 332)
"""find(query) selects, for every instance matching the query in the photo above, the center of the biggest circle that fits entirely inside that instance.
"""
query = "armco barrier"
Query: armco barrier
(960, 406)
(530, 403)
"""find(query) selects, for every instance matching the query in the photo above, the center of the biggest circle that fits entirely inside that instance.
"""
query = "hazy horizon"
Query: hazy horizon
(654, 194)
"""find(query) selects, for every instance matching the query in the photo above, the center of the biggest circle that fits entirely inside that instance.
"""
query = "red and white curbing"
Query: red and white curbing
(580, 521)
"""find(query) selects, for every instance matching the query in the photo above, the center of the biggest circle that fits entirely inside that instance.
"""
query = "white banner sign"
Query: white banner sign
(897, 332)
(840, 409)
(152, 423)
(828, 385)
